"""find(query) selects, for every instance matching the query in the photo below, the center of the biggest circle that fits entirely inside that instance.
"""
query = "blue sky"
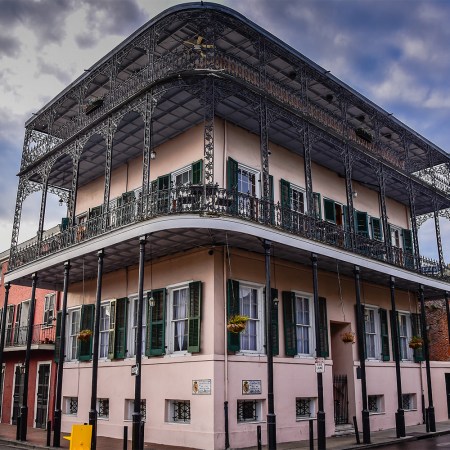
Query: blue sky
(394, 52)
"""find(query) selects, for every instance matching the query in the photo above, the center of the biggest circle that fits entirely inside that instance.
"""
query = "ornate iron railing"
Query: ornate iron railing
(16, 336)
(214, 201)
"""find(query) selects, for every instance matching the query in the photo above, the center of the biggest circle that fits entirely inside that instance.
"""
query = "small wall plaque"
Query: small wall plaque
(201, 387)
(251, 387)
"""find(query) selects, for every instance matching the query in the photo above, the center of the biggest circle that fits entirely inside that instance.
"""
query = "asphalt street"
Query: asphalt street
(437, 443)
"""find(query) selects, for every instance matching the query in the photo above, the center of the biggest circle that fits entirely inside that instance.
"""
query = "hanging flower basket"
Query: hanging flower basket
(237, 323)
(415, 342)
(348, 337)
(84, 335)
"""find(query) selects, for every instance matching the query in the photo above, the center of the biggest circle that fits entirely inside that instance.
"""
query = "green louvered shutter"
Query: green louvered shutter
(322, 347)
(329, 210)
(363, 328)
(197, 172)
(416, 328)
(234, 339)
(64, 223)
(156, 324)
(275, 344)
(163, 182)
(194, 319)
(58, 336)
(232, 175)
(384, 334)
(317, 205)
(290, 327)
(361, 223)
(120, 345)
(408, 248)
(112, 329)
(286, 194)
(86, 323)
(377, 232)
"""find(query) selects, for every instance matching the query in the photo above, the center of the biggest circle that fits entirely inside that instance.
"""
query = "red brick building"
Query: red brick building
(42, 373)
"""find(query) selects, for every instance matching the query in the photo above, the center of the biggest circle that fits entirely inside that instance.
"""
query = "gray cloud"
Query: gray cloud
(9, 46)
(45, 67)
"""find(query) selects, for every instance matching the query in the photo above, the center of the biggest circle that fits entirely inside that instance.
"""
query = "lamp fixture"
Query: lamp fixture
(151, 302)
(60, 201)
(355, 194)
(152, 154)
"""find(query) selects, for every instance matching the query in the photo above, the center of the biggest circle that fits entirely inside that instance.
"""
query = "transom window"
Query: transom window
(303, 323)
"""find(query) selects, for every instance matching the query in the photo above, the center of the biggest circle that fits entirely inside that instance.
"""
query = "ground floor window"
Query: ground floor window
(103, 408)
(179, 411)
(304, 408)
(375, 403)
(71, 406)
(409, 402)
(249, 410)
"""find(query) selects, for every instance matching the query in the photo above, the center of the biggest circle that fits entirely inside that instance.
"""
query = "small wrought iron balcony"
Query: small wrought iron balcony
(214, 201)
(42, 334)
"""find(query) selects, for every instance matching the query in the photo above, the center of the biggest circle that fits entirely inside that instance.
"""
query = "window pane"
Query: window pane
(179, 319)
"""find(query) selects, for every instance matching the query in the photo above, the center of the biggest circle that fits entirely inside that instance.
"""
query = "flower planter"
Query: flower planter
(84, 335)
(236, 324)
(415, 342)
(348, 338)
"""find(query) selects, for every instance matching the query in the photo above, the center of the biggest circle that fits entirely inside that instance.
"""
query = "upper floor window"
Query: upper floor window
(49, 309)
(182, 177)
(292, 197)
(404, 335)
(178, 312)
(304, 319)
(242, 179)
(396, 237)
(132, 335)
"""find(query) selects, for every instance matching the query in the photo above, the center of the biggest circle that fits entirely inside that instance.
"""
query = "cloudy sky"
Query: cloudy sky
(395, 52)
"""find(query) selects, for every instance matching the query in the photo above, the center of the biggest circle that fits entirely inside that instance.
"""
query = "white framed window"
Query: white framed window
(129, 409)
(372, 331)
(179, 411)
(304, 324)
(404, 336)
(74, 318)
(49, 310)
(182, 177)
(249, 410)
(133, 318)
(409, 402)
(70, 406)
(21, 325)
(105, 326)
(305, 408)
(396, 234)
(178, 318)
(103, 408)
(375, 404)
(251, 305)
(298, 199)
(248, 180)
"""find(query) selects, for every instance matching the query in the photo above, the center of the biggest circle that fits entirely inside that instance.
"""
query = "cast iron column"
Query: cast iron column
(362, 359)
(447, 309)
(400, 414)
(3, 328)
(95, 349)
(62, 346)
(321, 441)
(271, 418)
(136, 435)
(24, 407)
(430, 410)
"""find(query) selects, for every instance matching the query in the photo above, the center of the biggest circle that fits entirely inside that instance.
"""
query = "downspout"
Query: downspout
(225, 381)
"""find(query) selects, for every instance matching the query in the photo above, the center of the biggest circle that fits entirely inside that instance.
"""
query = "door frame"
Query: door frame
(12, 392)
(40, 363)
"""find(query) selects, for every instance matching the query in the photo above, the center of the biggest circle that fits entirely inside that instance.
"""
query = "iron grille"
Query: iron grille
(103, 408)
(373, 403)
(407, 401)
(73, 405)
(303, 407)
(181, 411)
(340, 399)
(246, 410)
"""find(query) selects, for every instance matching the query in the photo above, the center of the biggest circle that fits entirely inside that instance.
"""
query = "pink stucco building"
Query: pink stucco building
(209, 170)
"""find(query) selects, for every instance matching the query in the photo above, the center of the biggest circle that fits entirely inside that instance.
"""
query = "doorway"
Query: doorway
(42, 395)
(447, 387)
(17, 393)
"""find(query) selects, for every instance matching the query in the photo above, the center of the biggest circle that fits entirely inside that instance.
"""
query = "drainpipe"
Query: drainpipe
(225, 381)
(362, 358)
(62, 346)
(95, 344)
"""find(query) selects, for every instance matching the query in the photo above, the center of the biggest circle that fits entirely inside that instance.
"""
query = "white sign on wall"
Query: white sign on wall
(251, 387)
(320, 365)
(201, 387)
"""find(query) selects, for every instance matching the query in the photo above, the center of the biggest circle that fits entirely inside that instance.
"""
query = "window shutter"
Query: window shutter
(58, 336)
(286, 194)
(64, 224)
(163, 182)
(317, 207)
(376, 228)
(407, 240)
(329, 210)
(275, 344)
(112, 329)
(234, 339)
(416, 328)
(156, 324)
(290, 327)
(86, 323)
(363, 327)
(95, 212)
(361, 223)
(322, 347)
(384, 334)
(271, 198)
(197, 172)
(194, 319)
(120, 343)
(232, 173)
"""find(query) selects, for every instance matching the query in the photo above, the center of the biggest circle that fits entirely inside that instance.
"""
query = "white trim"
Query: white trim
(377, 333)
(230, 224)
(40, 363)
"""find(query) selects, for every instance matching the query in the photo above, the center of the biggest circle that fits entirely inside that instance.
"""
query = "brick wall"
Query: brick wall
(438, 330)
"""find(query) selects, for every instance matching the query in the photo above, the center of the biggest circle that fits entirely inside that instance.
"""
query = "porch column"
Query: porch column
(384, 217)
(429, 412)
(95, 349)
(108, 164)
(3, 330)
(24, 408)
(415, 236)
(400, 414)
(437, 228)
(362, 358)
(62, 346)
(271, 418)
(208, 136)
(264, 149)
(307, 145)
(321, 441)
(42, 217)
(74, 190)
(348, 161)
(136, 435)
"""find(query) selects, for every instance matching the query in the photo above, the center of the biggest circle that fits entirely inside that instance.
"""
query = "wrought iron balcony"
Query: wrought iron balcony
(42, 334)
(214, 201)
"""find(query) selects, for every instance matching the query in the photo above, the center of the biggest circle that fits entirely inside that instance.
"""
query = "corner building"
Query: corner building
(244, 164)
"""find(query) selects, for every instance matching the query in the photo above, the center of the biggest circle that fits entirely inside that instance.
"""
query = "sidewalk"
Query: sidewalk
(36, 438)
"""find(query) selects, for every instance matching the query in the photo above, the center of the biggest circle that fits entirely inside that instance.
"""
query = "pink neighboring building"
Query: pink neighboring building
(265, 187)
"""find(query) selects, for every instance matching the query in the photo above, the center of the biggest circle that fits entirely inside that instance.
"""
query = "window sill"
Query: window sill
(177, 355)
(179, 423)
(305, 419)
(103, 418)
(243, 422)
(303, 356)
(381, 413)
(244, 353)
(410, 410)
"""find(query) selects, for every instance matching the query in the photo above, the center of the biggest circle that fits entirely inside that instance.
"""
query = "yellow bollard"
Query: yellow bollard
(81, 437)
